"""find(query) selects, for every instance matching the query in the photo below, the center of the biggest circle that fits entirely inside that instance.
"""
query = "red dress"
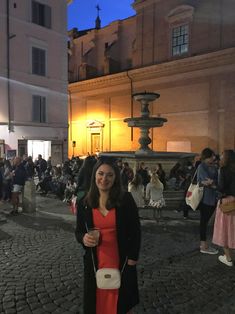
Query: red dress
(107, 254)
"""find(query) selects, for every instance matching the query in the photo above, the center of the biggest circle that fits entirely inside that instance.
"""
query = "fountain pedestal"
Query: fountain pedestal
(145, 122)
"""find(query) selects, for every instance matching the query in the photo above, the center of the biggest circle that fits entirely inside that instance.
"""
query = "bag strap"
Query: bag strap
(195, 173)
(93, 261)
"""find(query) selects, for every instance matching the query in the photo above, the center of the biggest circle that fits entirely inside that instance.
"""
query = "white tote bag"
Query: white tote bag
(194, 195)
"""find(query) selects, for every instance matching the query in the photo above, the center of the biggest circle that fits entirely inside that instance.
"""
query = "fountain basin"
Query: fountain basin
(149, 122)
(151, 158)
(145, 96)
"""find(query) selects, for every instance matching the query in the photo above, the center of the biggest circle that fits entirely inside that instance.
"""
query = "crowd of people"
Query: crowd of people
(108, 193)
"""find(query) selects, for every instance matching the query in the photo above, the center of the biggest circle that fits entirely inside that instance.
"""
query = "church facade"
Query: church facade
(183, 50)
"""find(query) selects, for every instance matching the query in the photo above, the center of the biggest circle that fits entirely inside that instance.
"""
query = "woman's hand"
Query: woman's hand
(89, 240)
(131, 262)
(207, 182)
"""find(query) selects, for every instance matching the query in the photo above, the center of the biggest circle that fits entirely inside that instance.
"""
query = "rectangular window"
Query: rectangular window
(39, 109)
(38, 61)
(41, 14)
(180, 40)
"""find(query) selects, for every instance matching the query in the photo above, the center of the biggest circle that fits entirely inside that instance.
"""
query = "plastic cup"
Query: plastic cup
(95, 233)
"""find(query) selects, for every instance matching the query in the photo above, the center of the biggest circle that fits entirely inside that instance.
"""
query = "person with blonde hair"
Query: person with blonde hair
(154, 193)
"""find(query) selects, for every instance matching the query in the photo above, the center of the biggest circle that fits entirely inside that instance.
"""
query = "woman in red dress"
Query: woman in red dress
(115, 214)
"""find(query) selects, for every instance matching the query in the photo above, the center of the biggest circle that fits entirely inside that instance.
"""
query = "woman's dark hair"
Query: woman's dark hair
(85, 172)
(115, 193)
(137, 180)
(207, 153)
(229, 159)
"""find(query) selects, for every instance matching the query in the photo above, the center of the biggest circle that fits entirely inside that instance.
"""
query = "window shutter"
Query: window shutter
(38, 61)
(42, 62)
(47, 16)
(34, 12)
(36, 108)
(43, 110)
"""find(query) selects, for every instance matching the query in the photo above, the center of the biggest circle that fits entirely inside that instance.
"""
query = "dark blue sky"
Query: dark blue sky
(82, 13)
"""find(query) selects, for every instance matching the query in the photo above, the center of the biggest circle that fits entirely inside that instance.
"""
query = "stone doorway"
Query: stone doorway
(95, 143)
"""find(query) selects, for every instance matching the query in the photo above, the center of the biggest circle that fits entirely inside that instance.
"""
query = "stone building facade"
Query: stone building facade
(33, 78)
(184, 50)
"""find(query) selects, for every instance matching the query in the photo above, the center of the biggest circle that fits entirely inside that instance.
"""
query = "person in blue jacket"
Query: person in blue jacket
(207, 176)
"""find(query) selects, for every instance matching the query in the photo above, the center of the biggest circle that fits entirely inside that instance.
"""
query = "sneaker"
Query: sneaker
(223, 259)
(209, 250)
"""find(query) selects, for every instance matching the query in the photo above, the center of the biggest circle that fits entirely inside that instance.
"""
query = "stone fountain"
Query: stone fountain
(145, 154)
(145, 122)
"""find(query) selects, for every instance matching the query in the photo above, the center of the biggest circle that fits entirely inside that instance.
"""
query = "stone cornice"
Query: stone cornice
(204, 63)
(139, 4)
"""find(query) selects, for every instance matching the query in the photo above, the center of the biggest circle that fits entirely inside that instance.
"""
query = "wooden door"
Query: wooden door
(95, 143)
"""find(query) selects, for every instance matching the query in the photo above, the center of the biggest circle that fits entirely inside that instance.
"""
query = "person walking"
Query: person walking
(224, 226)
(207, 176)
(114, 212)
(136, 188)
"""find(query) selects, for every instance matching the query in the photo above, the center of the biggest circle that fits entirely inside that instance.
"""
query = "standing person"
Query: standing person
(136, 188)
(41, 166)
(7, 180)
(30, 167)
(143, 172)
(161, 174)
(127, 174)
(19, 176)
(224, 226)
(207, 176)
(154, 193)
(115, 214)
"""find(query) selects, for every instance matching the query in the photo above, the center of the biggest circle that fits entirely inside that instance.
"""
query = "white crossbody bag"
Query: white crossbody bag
(107, 278)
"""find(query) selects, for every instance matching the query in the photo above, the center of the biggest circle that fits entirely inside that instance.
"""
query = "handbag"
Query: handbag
(227, 208)
(194, 194)
(107, 278)
(73, 206)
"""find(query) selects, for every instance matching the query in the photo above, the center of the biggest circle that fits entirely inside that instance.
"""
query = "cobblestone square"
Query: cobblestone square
(41, 266)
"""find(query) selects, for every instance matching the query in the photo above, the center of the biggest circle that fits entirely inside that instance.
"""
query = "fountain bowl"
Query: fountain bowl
(145, 96)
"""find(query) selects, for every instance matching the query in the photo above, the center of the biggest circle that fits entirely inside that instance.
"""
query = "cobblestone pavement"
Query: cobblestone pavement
(41, 266)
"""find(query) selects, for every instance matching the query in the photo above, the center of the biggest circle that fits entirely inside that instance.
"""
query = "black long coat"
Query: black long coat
(128, 238)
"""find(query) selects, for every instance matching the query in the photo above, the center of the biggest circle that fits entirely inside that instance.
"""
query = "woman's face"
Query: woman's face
(104, 177)
(210, 160)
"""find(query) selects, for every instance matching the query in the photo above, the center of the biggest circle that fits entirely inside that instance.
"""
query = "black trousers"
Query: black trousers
(206, 211)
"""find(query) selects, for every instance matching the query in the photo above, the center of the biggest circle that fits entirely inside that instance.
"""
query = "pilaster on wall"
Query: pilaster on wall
(229, 112)
(213, 113)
